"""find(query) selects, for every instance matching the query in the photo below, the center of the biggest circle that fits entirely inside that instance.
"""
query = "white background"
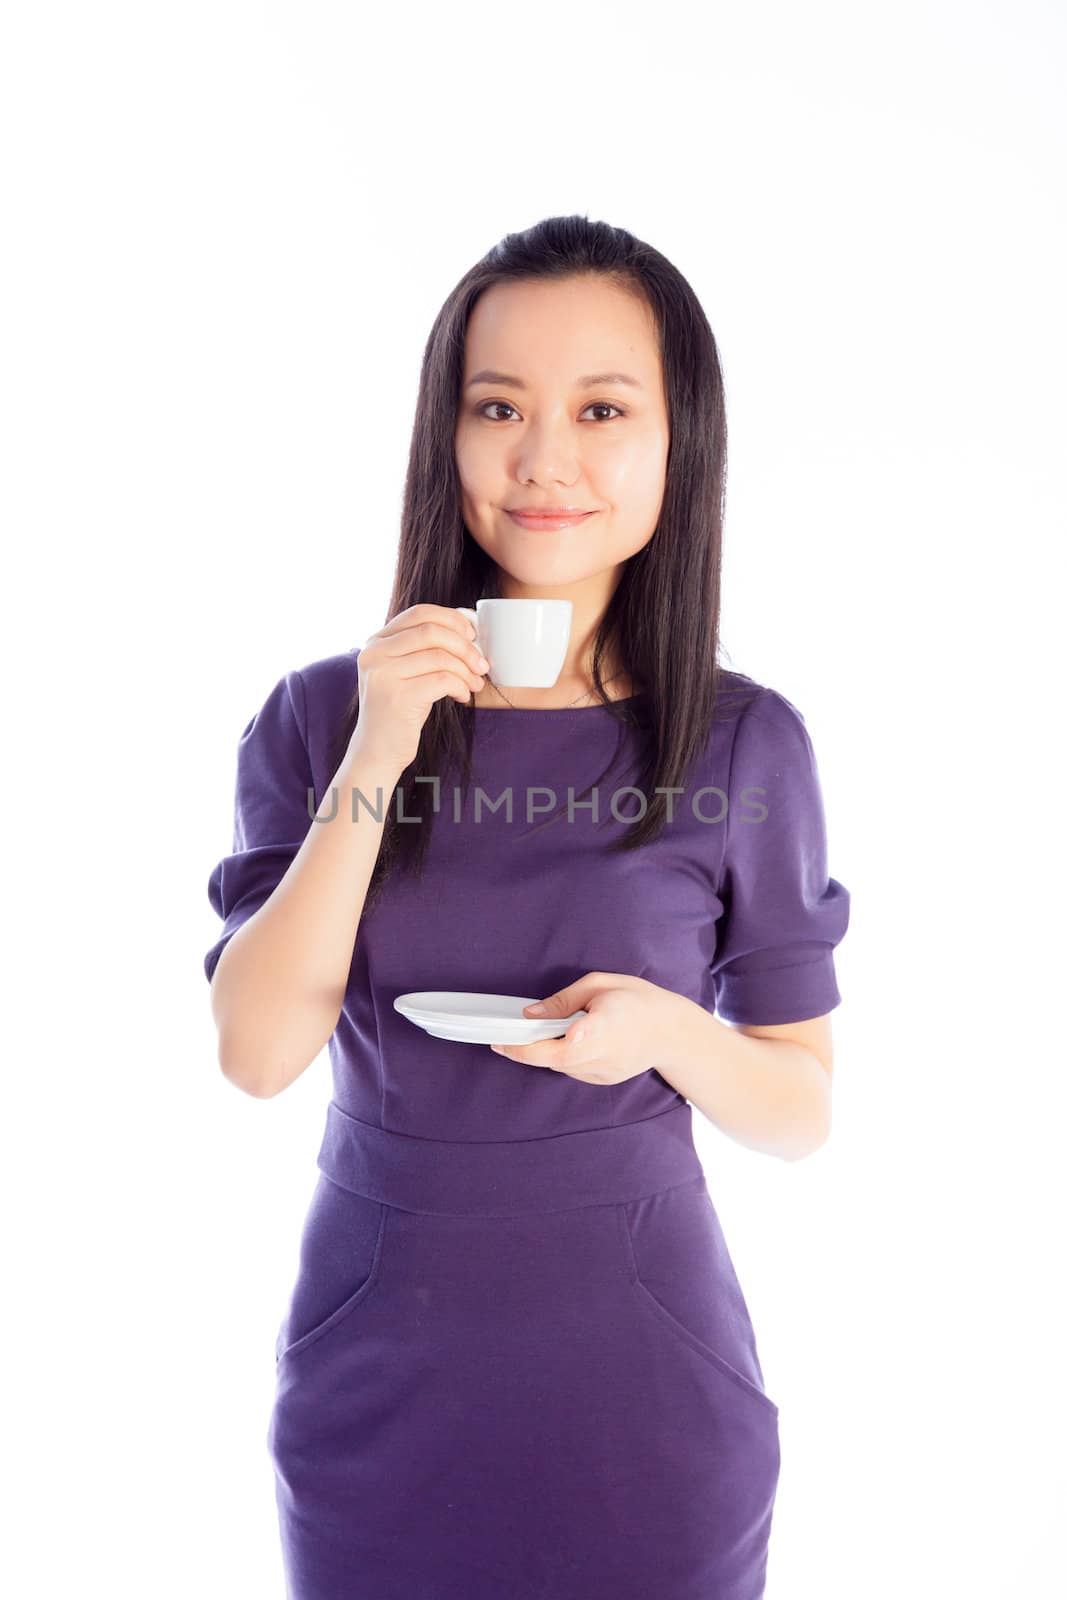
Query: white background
(228, 230)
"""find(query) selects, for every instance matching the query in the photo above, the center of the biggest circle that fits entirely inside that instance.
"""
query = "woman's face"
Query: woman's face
(542, 435)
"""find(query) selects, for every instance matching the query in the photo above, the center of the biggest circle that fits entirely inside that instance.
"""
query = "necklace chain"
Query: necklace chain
(514, 707)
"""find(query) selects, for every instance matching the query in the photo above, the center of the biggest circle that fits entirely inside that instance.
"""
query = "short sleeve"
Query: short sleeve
(783, 914)
(271, 811)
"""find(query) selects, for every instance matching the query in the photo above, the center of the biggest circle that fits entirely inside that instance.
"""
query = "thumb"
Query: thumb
(560, 1004)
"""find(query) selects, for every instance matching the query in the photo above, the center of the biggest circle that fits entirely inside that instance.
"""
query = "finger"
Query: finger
(552, 1053)
(434, 640)
(446, 616)
(531, 1055)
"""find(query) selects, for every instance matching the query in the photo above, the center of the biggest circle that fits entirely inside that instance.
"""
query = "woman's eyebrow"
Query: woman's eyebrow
(487, 375)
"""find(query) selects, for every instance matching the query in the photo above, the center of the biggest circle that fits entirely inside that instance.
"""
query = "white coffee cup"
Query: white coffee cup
(524, 641)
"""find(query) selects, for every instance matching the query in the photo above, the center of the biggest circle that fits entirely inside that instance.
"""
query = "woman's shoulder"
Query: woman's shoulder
(761, 727)
(328, 671)
(737, 693)
(737, 697)
(734, 691)
(326, 687)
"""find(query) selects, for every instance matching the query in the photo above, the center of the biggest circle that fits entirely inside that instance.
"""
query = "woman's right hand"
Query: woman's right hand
(421, 655)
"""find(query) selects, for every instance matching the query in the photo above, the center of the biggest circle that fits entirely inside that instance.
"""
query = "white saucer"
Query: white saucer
(479, 1018)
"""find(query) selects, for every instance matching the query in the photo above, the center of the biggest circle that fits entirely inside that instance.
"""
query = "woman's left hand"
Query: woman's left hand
(622, 1036)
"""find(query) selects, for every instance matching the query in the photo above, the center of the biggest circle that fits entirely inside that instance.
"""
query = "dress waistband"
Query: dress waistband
(505, 1178)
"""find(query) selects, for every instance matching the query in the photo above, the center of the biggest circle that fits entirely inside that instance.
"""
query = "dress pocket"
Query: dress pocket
(341, 1248)
(680, 1272)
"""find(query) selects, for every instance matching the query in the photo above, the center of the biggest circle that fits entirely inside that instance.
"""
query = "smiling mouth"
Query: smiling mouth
(552, 520)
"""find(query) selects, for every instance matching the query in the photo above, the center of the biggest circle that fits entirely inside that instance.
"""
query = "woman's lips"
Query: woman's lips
(526, 519)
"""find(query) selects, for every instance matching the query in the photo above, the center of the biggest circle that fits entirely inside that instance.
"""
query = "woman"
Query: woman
(517, 1361)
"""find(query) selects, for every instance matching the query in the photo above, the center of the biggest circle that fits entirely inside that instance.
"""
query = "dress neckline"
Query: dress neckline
(559, 711)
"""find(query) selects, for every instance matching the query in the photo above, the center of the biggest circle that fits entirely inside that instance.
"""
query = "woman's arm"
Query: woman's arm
(280, 982)
(766, 1087)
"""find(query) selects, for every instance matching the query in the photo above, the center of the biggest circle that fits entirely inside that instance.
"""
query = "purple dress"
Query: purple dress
(516, 1363)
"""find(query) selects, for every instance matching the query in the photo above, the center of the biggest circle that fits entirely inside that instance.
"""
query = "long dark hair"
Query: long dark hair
(663, 618)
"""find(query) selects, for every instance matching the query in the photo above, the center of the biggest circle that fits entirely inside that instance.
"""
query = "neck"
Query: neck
(563, 693)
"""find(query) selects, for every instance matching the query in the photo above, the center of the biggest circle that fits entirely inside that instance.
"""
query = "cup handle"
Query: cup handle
(465, 611)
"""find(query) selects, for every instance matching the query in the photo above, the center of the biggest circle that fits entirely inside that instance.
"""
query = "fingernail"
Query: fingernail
(536, 1006)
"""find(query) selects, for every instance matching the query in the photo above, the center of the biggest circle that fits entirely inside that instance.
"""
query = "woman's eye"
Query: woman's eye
(594, 405)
